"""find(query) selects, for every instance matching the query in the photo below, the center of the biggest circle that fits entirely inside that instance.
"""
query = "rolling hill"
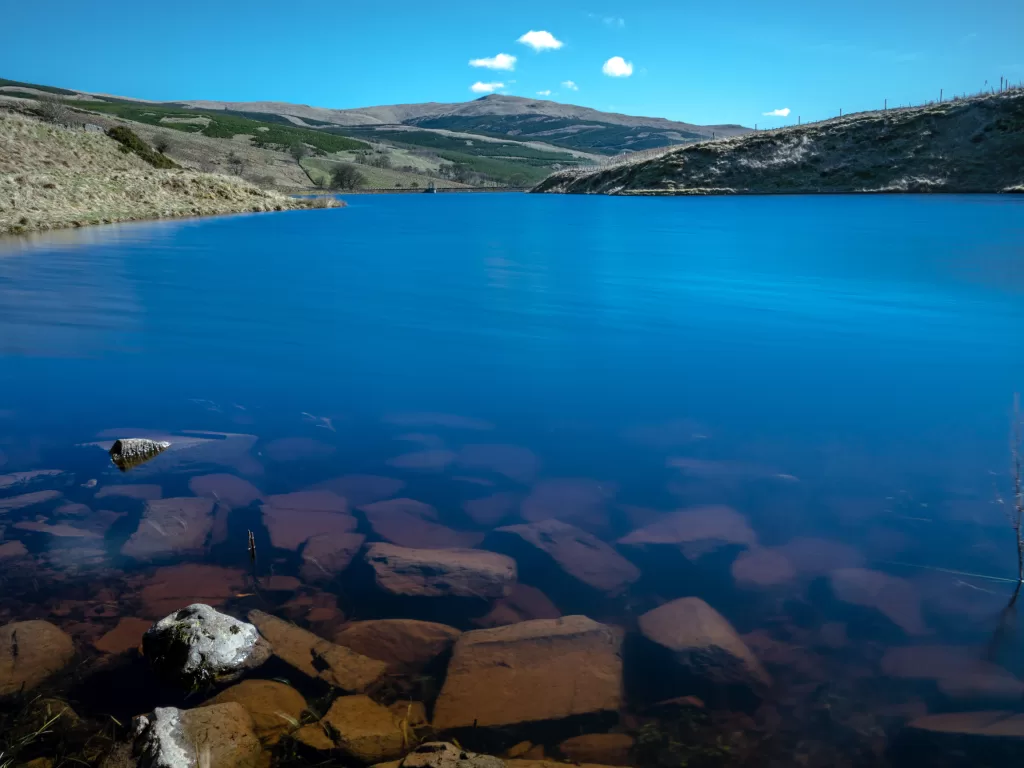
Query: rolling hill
(974, 144)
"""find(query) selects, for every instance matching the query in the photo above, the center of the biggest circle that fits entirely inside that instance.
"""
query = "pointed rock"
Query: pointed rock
(707, 654)
(328, 554)
(132, 451)
(364, 730)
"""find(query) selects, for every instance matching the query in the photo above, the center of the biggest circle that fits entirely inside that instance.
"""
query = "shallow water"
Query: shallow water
(837, 370)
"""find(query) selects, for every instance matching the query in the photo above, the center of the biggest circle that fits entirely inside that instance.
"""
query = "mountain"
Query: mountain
(967, 145)
(508, 117)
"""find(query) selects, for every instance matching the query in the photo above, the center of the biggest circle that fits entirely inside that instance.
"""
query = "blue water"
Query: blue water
(847, 364)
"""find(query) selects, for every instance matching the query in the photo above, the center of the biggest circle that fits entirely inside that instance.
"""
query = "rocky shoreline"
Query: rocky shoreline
(56, 176)
(972, 145)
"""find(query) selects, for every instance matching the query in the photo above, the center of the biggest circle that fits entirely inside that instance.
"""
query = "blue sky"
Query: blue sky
(704, 62)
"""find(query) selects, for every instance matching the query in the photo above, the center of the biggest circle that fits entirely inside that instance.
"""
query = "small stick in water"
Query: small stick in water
(14, 644)
(252, 557)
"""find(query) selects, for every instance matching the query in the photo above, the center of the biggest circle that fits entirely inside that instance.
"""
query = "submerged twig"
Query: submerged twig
(1016, 513)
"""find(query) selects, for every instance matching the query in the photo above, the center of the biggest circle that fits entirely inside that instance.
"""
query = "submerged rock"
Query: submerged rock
(441, 572)
(441, 754)
(222, 735)
(557, 550)
(602, 748)
(402, 643)
(581, 501)
(275, 708)
(523, 603)
(363, 730)
(171, 526)
(198, 646)
(695, 531)
(962, 739)
(707, 654)
(132, 451)
(530, 673)
(317, 658)
(294, 518)
(12, 549)
(27, 500)
(895, 598)
(31, 651)
(126, 636)
(175, 586)
(328, 554)
(411, 523)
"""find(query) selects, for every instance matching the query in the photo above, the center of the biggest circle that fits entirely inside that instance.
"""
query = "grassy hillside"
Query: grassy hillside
(968, 145)
(572, 133)
(52, 176)
(269, 130)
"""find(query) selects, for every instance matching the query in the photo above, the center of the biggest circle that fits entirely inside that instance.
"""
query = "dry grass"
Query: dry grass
(53, 177)
(968, 145)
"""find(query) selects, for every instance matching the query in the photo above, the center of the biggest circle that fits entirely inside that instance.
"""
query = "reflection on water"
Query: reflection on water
(794, 410)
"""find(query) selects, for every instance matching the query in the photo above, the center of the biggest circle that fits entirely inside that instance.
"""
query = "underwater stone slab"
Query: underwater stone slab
(171, 526)
(695, 531)
(272, 705)
(198, 645)
(328, 554)
(895, 598)
(401, 643)
(364, 730)
(411, 523)
(469, 573)
(532, 672)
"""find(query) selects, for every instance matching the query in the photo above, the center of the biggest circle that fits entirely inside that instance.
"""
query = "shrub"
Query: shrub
(54, 110)
(345, 176)
(130, 142)
(161, 145)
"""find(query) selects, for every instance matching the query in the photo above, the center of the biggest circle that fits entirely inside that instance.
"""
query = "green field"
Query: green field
(224, 125)
(376, 178)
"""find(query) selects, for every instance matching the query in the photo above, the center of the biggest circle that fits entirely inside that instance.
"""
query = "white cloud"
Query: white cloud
(544, 93)
(479, 87)
(617, 66)
(540, 41)
(777, 112)
(570, 85)
(501, 61)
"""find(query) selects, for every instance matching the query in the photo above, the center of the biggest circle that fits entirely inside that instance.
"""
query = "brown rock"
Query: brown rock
(275, 707)
(522, 604)
(318, 658)
(433, 460)
(31, 651)
(957, 671)
(27, 500)
(410, 523)
(141, 492)
(174, 587)
(603, 748)
(545, 670)
(294, 518)
(171, 526)
(704, 647)
(895, 598)
(965, 739)
(126, 636)
(314, 736)
(401, 643)
(695, 531)
(581, 501)
(762, 567)
(19, 479)
(441, 572)
(579, 555)
(328, 554)
(226, 489)
(364, 730)
(12, 549)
